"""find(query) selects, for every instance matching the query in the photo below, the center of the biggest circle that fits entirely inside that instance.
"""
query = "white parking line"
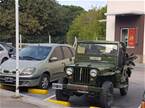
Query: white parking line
(49, 97)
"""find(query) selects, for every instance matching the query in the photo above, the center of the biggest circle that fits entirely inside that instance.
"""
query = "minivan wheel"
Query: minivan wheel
(44, 82)
(106, 96)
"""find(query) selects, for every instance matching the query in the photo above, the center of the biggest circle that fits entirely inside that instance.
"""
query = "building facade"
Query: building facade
(126, 23)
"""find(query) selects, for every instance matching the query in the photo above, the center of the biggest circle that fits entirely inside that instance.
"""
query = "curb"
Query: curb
(38, 91)
(64, 103)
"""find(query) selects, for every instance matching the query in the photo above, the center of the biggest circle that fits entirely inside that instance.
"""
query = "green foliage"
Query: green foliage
(87, 26)
(38, 20)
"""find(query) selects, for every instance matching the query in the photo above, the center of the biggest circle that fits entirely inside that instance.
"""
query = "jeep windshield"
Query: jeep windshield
(34, 53)
(97, 52)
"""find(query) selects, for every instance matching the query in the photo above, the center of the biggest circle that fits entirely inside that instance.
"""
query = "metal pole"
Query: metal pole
(17, 45)
(20, 41)
(49, 39)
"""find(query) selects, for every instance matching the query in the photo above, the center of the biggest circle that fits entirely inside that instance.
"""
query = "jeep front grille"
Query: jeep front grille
(81, 75)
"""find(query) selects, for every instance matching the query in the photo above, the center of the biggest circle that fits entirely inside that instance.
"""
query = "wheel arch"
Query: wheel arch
(47, 72)
(4, 58)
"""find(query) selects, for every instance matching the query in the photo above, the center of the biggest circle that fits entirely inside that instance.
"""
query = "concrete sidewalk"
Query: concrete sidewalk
(8, 101)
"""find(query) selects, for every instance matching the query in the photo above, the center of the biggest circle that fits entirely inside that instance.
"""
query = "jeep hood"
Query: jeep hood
(23, 64)
(99, 65)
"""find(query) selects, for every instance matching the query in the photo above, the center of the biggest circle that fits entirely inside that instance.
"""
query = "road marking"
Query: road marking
(64, 103)
(49, 97)
(37, 91)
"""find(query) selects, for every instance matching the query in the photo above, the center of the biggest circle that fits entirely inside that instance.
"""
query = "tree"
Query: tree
(38, 20)
(87, 26)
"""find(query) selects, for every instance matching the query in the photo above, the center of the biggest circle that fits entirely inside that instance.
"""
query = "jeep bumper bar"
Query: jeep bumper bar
(76, 87)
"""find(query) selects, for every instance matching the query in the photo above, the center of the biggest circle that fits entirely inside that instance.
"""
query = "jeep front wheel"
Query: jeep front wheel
(106, 96)
(60, 95)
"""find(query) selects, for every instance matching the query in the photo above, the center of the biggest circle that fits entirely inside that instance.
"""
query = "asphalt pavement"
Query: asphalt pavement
(8, 100)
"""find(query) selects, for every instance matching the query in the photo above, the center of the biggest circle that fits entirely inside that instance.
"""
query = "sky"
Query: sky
(86, 4)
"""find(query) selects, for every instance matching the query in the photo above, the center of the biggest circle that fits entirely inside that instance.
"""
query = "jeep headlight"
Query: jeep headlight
(93, 72)
(69, 71)
(28, 71)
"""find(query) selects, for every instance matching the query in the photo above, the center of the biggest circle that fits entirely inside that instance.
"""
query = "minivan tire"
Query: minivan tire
(44, 81)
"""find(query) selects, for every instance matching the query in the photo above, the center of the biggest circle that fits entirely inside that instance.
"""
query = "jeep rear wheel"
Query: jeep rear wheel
(60, 95)
(124, 90)
(106, 96)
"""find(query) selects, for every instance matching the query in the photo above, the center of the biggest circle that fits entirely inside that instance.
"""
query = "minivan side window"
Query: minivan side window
(67, 52)
(57, 52)
(1, 49)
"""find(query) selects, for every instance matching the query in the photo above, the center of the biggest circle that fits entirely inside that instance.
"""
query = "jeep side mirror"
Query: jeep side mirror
(52, 59)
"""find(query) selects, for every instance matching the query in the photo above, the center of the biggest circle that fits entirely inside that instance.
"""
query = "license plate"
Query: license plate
(9, 79)
(57, 86)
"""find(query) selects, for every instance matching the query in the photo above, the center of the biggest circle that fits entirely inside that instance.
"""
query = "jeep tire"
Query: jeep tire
(106, 96)
(124, 90)
(62, 94)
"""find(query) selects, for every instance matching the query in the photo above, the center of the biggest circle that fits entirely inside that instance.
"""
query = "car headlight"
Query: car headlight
(69, 71)
(93, 72)
(28, 71)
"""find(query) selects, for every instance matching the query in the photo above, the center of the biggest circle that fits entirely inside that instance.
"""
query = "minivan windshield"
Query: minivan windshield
(101, 52)
(34, 53)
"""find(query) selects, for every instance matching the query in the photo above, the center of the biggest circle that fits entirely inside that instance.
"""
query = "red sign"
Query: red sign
(132, 37)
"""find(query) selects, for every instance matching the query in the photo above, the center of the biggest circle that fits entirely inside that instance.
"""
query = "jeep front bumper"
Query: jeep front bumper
(77, 88)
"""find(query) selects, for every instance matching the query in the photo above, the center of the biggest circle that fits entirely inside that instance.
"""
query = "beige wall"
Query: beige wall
(110, 31)
(122, 6)
(144, 36)
(125, 5)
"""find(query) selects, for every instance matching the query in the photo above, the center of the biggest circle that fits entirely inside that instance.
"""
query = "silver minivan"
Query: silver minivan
(39, 65)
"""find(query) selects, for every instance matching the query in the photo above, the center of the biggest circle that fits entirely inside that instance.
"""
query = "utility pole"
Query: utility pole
(17, 94)
(49, 39)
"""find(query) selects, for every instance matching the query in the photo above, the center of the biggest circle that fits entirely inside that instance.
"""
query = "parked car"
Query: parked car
(5, 52)
(99, 67)
(39, 65)
(142, 105)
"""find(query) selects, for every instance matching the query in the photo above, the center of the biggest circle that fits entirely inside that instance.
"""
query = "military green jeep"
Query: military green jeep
(99, 67)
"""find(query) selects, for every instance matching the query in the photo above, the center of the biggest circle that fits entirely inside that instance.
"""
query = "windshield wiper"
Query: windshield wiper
(29, 58)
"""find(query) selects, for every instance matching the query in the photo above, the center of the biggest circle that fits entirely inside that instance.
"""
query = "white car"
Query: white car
(3, 54)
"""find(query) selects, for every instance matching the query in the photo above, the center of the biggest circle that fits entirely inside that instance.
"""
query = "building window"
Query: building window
(128, 35)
